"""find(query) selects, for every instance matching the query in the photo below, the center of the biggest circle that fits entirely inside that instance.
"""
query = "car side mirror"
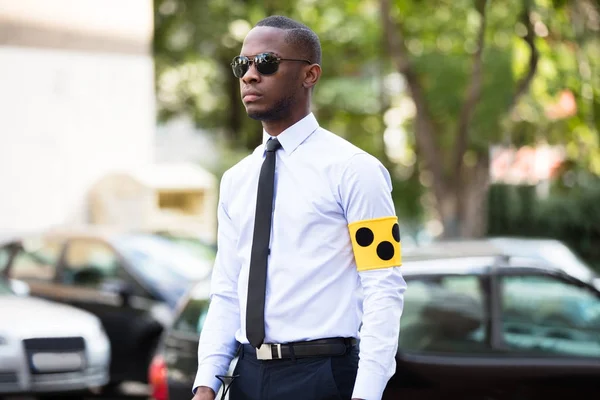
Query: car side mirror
(117, 286)
(19, 288)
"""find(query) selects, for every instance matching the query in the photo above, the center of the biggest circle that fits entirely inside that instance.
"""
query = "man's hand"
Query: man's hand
(204, 393)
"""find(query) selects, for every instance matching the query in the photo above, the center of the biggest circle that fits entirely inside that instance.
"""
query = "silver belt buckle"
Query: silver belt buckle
(264, 351)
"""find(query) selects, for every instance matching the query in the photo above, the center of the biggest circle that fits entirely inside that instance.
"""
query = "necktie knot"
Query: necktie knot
(273, 145)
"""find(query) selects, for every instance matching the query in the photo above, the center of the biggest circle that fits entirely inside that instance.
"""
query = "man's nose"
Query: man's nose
(251, 75)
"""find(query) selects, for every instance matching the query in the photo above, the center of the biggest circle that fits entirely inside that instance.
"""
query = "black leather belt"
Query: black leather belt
(313, 348)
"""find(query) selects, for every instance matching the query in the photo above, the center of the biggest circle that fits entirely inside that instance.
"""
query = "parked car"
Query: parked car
(509, 324)
(48, 348)
(132, 282)
(551, 251)
(195, 243)
(548, 251)
(474, 326)
(174, 366)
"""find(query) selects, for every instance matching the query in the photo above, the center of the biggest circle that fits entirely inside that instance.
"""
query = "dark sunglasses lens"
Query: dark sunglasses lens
(266, 63)
(240, 66)
(240, 70)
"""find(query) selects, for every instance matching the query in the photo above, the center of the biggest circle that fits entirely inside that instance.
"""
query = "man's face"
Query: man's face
(270, 97)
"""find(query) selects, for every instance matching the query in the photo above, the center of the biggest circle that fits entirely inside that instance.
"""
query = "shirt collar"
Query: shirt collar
(293, 136)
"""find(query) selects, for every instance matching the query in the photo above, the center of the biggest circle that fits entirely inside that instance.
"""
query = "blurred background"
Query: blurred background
(126, 113)
(118, 118)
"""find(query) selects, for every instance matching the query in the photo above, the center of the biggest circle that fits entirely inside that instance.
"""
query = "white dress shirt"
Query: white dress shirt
(314, 290)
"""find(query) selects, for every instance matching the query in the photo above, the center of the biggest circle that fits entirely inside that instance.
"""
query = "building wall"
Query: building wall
(76, 102)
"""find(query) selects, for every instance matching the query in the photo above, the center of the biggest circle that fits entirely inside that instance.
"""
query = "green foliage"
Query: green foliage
(570, 53)
(572, 217)
(441, 39)
(194, 42)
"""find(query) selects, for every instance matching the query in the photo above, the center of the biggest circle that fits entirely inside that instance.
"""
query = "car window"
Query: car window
(547, 316)
(444, 314)
(192, 316)
(162, 261)
(89, 263)
(199, 248)
(36, 261)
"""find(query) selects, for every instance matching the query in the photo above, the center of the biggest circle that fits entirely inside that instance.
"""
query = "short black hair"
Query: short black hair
(297, 34)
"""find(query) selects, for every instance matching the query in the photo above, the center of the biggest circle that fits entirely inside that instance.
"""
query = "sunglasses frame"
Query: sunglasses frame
(251, 60)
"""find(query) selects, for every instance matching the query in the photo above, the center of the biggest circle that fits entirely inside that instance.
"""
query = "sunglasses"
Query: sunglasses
(265, 63)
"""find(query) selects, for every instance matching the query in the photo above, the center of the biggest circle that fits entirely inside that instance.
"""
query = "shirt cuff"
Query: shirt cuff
(369, 386)
(206, 376)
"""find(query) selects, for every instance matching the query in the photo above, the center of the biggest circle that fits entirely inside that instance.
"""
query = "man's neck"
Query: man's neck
(274, 128)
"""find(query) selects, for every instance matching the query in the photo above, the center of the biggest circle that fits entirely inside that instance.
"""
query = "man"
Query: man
(306, 253)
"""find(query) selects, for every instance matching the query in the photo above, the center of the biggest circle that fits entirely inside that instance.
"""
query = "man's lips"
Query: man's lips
(248, 98)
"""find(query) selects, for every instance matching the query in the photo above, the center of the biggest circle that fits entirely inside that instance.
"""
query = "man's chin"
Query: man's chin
(259, 115)
(274, 113)
(256, 116)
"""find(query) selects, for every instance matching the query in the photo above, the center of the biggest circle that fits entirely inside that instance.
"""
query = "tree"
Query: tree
(195, 41)
(454, 132)
(459, 186)
(476, 72)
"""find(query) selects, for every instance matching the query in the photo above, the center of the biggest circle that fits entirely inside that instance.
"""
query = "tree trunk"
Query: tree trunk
(461, 194)
(448, 211)
(473, 207)
(462, 208)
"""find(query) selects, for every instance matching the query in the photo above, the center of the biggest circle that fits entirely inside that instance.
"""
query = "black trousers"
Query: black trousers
(314, 378)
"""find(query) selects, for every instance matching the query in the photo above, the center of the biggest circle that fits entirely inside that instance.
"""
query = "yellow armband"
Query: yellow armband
(376, 243)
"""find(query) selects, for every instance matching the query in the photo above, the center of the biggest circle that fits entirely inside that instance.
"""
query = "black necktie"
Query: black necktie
(257, 281)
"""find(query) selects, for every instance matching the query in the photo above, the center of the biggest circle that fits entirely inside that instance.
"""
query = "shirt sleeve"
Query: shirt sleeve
(217, 344)
(366, 198)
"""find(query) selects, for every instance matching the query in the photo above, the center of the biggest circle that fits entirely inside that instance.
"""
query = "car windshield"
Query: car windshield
(161, 260)
(192, 316)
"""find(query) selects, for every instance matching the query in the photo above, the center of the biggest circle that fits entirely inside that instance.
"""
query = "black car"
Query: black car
(174, 366)
(486, 326)
(131, 281)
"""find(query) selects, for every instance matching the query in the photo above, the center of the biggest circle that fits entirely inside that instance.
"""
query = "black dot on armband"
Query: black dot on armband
(385, 250)
(396, 232)
(364, 237)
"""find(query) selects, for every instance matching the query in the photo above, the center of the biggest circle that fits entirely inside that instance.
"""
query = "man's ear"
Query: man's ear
(312, 75)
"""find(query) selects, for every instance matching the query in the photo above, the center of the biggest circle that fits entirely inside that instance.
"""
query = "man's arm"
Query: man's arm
(217, 344)
(366, 196)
